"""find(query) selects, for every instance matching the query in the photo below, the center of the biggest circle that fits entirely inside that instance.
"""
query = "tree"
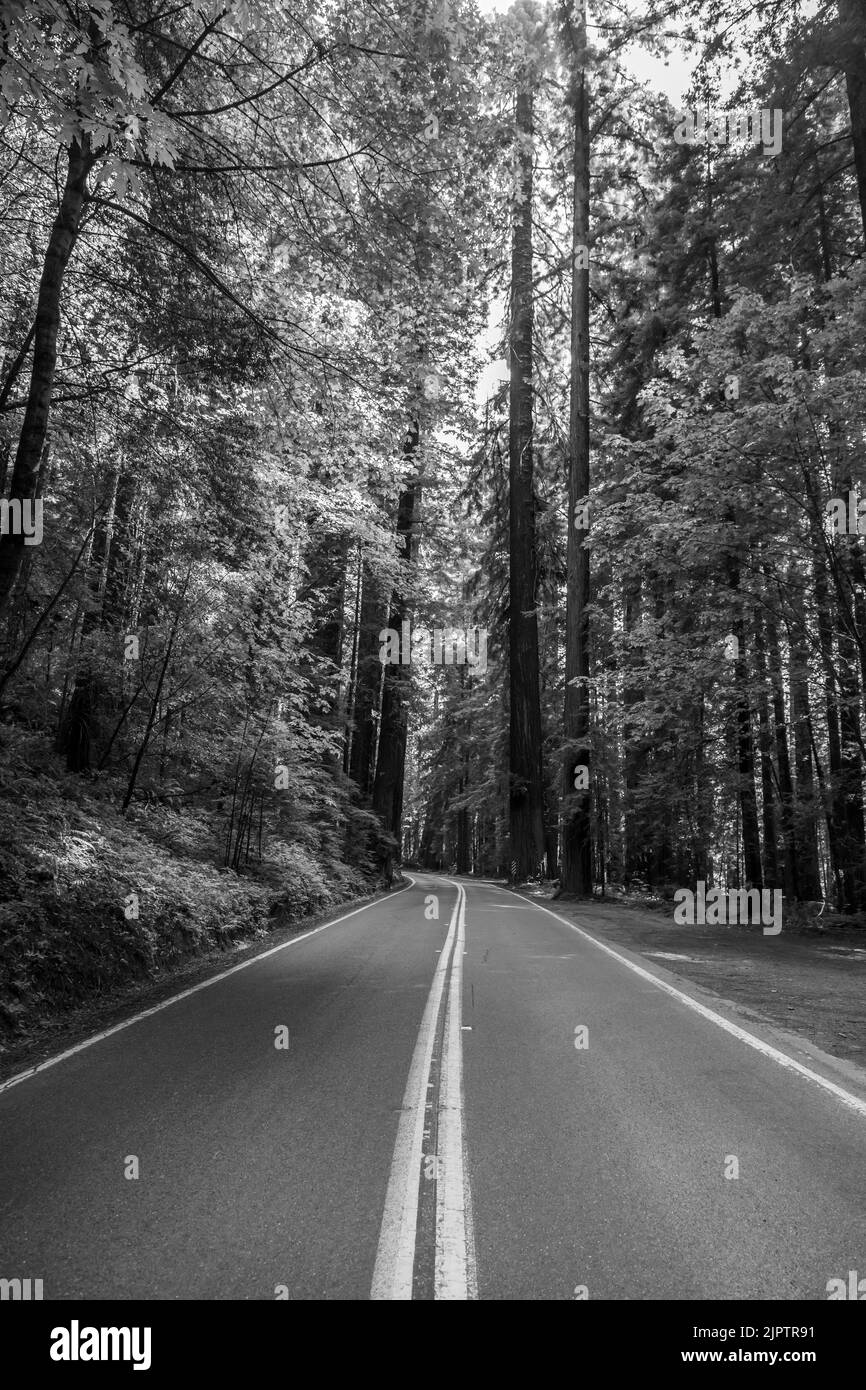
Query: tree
(525, 786)
(577, 830)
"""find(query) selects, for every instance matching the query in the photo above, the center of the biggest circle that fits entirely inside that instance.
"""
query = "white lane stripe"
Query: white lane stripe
(395, 1255)
(194, 989)
(846, 1097)
(455, 1240)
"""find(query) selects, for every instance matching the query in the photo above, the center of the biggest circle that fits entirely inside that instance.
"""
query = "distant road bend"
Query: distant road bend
(477, 1099)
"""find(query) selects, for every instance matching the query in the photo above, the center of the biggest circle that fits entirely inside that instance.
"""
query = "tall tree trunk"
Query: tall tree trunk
(577, 825)
(836, 826)
(766, 745)
(791, 868)
(805, 814)
(526, 792)
(368, 681)
(34, 429)
(353, 664)
(700, 848)
(853, 16)
(745, 747)
(462, 834)
(748, 799)
(397, 687)
(635, 746)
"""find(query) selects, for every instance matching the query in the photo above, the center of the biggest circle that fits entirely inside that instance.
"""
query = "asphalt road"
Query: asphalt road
(436, 1127)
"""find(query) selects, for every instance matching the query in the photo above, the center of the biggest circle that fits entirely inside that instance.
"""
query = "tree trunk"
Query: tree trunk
(34, 429)
(368, 682)
(142, 748)
(853, 16)
(745, 747)
(851, 782)
(791, 868)
(748, 799)
(526, 798)
(462, 836)
(635, 746)
(766, 743)
(806, 802)
(576, 876)
(836, 818)
(391, 760)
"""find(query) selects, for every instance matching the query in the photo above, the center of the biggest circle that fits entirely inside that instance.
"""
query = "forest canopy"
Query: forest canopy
(425, 439)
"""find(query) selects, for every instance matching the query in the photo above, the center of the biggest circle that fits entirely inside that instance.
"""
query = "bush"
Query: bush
(70, 927)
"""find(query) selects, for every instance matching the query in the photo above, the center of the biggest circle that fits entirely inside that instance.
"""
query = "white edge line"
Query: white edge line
(395, 1252)
(194, 989)
(846, 1097)
(455, 1277)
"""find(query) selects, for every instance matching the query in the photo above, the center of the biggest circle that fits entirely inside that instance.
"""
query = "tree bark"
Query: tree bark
(368, 682)
(576, 876)
(34, 429)
(745, 744)
(526, 796)
(391, 760)
(805, 815)
(838, 762)
(853, 16)
(766, 745)
(791, 872)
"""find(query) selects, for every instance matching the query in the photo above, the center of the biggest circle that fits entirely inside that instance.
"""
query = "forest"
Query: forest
(424, 440)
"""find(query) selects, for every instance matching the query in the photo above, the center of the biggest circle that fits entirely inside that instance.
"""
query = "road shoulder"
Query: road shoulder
(807, 990)
(60, 1032)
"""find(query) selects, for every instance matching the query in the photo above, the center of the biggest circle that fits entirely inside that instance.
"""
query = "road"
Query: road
(439, 1125)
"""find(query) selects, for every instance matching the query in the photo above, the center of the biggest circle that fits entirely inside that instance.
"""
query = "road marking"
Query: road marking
(185, 994)
(454, 1256)
(455, 1241)
(395, 1255)
(846, 1097)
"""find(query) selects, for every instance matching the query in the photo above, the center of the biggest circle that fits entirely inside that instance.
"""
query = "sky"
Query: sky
(671, 77)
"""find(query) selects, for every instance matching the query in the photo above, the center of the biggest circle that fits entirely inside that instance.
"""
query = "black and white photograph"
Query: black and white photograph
(432, 672)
